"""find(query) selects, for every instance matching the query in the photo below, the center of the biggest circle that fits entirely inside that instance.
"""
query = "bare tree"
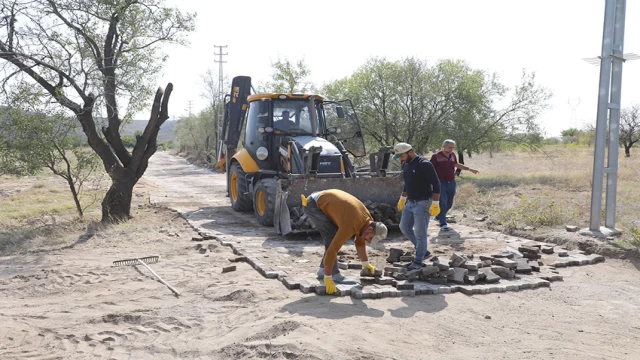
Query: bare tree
(629, 128)
(91, 54)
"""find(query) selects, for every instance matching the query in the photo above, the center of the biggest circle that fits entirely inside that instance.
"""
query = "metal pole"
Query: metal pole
(220, 97)
(601, 122)
(614, 115)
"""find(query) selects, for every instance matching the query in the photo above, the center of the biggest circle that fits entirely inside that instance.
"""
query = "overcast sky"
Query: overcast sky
(550, 37)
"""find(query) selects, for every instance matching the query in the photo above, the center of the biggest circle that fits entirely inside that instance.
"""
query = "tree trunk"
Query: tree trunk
(72, 187)
(627, 150)
(116, 205)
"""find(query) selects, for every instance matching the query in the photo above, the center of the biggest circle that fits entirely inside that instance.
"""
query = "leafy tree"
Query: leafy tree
(629, 128)
(30, 141)
(288, 77)
(410, 101)
(92, 54)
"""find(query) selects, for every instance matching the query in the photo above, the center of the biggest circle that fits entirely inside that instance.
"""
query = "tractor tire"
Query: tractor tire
(237, 188)
(264, 201)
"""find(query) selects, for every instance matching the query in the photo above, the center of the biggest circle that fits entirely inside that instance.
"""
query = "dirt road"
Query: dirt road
(70, 303)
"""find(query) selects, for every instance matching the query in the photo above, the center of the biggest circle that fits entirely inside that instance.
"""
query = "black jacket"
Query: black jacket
(420, 179)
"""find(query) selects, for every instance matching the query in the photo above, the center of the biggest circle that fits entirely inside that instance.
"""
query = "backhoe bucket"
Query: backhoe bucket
(379, 194)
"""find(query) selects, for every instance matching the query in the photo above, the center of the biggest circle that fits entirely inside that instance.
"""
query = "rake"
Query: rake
(144, 261)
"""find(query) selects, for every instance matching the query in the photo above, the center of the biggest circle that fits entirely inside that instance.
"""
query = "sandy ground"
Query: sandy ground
(71, 303)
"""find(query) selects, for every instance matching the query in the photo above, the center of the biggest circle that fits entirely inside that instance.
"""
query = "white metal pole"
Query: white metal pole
(601, 122)
(614, 115)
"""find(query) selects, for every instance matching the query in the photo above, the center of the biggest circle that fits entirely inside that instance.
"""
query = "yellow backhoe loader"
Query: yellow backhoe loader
(296, 144)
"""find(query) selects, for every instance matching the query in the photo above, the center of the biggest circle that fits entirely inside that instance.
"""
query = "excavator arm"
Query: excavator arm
(233, 122)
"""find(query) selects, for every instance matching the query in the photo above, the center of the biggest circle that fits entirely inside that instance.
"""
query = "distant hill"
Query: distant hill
(165, 133)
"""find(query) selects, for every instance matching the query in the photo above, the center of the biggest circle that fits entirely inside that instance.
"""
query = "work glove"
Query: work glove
(401, 202)
(329, 284)
(434, 209)
(370, 267)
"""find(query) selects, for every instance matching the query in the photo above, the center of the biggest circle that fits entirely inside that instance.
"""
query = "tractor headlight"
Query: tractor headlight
(262, 153)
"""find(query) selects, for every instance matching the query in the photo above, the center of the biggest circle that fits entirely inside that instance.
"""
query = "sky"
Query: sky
(335, 38)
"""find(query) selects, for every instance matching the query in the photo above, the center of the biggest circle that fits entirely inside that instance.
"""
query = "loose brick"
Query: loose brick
(197, 238)
(523, 266)
(406, 258)
(458, 275)
(571, 228)
(531, 256)
(384, 280)
(394, 255)
(367, 280)
(502, 255)
(505, 262)
(473, 276)
(429, 271)
(490, 276)
(535, 266)
(438, 280)
(343, 266)
(291, 284)
(529, 249)
(367, 273)
(440, 266)
(229, 268)
(399, 276)
(457, 260)
(472, 265)
(562, 253)
(238, 259)
(486, 257)
(354, 265)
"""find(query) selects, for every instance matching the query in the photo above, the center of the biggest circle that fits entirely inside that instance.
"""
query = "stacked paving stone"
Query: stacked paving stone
(382, 212)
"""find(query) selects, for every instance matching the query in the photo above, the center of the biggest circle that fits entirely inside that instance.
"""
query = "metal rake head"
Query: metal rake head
(146, 260)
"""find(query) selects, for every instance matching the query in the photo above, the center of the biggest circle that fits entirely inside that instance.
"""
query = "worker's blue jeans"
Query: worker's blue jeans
(414, 224)
(447, 193)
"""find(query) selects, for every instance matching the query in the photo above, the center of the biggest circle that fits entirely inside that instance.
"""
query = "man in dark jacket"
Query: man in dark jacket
(419, 200)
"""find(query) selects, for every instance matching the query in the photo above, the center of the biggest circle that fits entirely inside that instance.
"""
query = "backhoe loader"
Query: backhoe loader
(296, 144)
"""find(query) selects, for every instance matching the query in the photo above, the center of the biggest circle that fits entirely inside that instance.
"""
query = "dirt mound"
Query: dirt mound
(266, 351)
(281, 329)
(241, 296)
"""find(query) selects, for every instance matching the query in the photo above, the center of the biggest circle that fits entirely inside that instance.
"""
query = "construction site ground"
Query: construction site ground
(69, 302)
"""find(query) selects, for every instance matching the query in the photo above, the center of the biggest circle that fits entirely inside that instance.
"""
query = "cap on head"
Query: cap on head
(400, 149)
(380, 231)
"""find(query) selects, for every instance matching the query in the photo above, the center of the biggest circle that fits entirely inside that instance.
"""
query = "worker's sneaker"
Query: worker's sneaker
(445, 228)
(414, 266)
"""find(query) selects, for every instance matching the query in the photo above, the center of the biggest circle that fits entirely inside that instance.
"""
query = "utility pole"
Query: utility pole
(608, 119)
(220, 97)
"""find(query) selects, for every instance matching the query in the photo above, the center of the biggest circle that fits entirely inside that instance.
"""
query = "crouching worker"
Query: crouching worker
(338, 216)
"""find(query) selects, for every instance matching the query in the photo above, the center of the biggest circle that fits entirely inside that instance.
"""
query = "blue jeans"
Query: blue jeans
(447, 193)
(414, 224)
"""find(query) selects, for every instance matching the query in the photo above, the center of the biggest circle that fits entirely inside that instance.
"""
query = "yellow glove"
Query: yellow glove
(303, 199)
(434, 210)
(330, 285)
(370, 267)
(401, 202)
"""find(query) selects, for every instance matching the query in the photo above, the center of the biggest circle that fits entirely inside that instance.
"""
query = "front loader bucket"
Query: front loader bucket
(379, 194)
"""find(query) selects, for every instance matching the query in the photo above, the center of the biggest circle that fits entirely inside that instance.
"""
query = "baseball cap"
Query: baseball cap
(380, 232)
(400, 149)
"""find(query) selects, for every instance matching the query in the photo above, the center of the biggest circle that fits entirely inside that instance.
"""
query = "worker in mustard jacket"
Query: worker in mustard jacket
(339, 216)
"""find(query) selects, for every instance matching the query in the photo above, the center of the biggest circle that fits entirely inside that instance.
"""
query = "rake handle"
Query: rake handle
(159, 278)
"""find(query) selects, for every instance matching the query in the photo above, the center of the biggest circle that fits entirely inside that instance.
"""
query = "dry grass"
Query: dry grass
(546, 190)
(39, 211)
